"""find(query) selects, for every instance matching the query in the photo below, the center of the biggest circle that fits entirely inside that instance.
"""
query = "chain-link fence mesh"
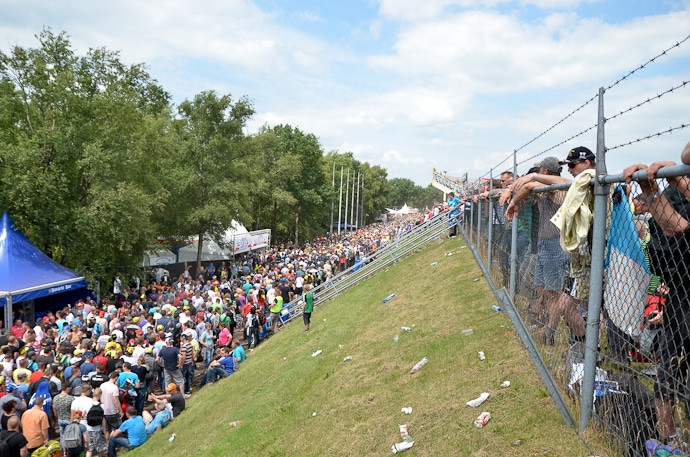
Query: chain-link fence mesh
(643, 346)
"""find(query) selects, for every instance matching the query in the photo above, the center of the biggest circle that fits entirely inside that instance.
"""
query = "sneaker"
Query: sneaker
(187, 395)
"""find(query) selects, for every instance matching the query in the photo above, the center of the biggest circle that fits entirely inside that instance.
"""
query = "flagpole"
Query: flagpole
(347, 196)
(357, 213)
(352, 206)
(340, 201)
(332, 194)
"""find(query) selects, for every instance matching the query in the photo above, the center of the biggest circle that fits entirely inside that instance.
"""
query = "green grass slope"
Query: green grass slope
(358, 403)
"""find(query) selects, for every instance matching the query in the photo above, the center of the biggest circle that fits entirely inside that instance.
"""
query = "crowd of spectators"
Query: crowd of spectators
(122, 367)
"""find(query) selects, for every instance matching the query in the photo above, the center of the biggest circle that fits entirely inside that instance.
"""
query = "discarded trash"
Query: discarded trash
(496, 308)
(433, 264)
(406, 329)
(399, 447)
(235, 423)
(482, 419)
(463, 247)
(505, 384)
(347, 359)
(314, 354)
(404, 432)
(395, 338)
(407, 410)
(517, 442)
(324, 320)
(284, 358)
(313, 414)
(467, 331)
(481, 355)
(172, 438)
(389, 298)
(450, 254)
(476, 279)
(479, 400)
(418, 365)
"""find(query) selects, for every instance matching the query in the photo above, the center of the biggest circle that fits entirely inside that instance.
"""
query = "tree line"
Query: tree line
(97, 163)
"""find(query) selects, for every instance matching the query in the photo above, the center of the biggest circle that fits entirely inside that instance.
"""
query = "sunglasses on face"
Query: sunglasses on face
(572, 165)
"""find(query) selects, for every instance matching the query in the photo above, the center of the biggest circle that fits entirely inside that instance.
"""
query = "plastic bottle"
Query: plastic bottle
(314, 354)
(235, 423)
(399, 447)
(347, 359)
(172, 438)
(395, 338)
(389, 298)
(496, 308)
(418, 365)
(406, 329)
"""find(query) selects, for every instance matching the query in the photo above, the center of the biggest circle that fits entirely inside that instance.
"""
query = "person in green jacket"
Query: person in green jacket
(308, 306)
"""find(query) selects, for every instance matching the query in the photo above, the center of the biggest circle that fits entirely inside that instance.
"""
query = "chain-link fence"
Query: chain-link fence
(642, 337)
(592, 267)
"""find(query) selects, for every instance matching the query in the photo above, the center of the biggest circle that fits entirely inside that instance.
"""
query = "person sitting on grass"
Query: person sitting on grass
(135, 429)
(221, 368)
(158, 419)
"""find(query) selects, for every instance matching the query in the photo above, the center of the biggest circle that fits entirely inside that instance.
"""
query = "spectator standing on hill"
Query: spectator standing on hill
(35, 426)
(669, 250)
(453, 203)
(172, 360)
(16, 442)
(308, 307)
(552, 262)
(112, 409)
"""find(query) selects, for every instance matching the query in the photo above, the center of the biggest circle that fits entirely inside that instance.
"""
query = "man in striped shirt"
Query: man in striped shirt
(187, 351)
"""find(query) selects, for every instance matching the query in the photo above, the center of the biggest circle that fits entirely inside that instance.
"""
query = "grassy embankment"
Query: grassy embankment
(358, 403)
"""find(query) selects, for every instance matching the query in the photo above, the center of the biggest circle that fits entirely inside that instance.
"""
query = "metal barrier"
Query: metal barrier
(379, 261)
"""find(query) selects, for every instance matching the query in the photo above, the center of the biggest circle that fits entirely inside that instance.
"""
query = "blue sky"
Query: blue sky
(407, 84)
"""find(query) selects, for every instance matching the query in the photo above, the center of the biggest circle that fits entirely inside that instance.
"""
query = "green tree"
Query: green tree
(207, 171)
(77, 138)
(290, 191)
(403, 191)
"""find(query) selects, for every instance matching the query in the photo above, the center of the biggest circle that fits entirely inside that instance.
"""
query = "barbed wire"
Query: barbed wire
(558, 144)
(650, 99)
(651, 135)
(579, 108)
(662, 53)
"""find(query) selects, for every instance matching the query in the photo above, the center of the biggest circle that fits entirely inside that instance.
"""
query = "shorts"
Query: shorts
(96, 441)
(112, 422)
(552, 265)
(306, 317)
(175, 376)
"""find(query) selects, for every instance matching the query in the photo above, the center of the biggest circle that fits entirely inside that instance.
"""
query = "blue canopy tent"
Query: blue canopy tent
(26, 273)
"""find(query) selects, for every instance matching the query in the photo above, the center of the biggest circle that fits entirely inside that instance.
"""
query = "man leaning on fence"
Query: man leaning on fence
(669, 251)
(552, 262)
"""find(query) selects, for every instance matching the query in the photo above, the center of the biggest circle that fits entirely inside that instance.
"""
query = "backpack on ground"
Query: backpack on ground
(94, 417)
(72, 438)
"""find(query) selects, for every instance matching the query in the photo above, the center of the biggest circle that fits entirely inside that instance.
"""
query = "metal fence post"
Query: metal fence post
(489, 223)
(601, 197)
(513, 242)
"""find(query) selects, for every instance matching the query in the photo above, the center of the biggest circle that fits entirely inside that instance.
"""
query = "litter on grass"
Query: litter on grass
(479, 400)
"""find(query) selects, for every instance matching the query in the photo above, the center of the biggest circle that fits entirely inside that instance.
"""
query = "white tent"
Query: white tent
(404, 210)
(209, 251)
(159, 257)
